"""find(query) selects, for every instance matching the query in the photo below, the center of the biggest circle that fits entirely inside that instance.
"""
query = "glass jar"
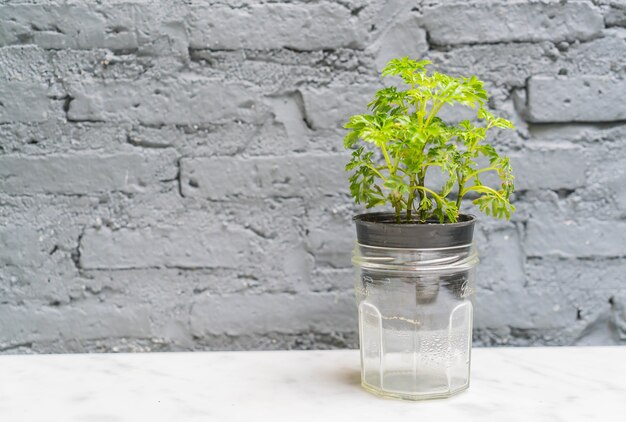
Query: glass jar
(415, 309)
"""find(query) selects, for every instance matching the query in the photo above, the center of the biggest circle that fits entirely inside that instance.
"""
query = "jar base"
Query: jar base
(412, 397)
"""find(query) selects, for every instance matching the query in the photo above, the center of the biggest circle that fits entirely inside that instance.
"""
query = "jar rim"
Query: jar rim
(440, 260)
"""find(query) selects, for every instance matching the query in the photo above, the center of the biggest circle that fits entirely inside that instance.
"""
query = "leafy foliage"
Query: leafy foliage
(403, 126)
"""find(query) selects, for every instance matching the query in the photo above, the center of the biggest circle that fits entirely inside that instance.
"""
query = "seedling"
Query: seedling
(403, 126)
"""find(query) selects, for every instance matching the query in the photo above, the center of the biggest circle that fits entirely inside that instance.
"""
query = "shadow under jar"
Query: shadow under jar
(414, 285)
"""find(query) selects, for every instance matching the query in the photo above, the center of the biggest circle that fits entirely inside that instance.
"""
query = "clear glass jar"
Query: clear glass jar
(415, 319)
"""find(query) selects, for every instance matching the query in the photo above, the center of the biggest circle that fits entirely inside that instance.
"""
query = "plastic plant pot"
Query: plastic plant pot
(414, 284)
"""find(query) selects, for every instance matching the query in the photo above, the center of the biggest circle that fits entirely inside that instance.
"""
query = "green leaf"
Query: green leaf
(426, 204)
(404, 65)
(351, 139)
(503, 123)
(447, 187)
(396, 184)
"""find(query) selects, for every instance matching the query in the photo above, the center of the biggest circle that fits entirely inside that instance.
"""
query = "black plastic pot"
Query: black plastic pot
(381, 229)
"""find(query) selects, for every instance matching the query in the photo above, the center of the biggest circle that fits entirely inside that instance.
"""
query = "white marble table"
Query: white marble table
(539, 384)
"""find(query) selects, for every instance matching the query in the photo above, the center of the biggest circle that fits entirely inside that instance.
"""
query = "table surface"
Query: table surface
(507, 384)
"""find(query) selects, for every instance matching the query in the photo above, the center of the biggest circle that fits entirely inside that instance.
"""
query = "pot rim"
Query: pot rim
(370, 219)
(380, 229)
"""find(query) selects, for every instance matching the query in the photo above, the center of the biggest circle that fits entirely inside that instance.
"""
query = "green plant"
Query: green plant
(404, 127)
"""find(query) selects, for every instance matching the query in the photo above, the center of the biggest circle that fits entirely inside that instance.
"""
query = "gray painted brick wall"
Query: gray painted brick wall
(171, 173)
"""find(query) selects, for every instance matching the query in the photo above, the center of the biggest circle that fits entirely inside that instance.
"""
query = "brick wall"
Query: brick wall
(160, 183)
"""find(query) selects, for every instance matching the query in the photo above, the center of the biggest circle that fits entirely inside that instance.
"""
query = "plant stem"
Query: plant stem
(459, 197)
(409, 207)
(469, 176)
(482, 188)
(433, 112)
(435, 195)
(421, 189)
(422, 113)
(396, 163)
(378, 173)
(387, 160)
(400, 169)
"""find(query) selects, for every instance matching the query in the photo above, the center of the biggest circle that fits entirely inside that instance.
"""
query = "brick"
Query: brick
(403, 38)
(24, 63)
(581, 99)
(616, 15)
(549, 168)
(288, 111)
(55, 26)
(503, 64)
(601, 56)
(56, 136)
(285, 176)
(612, 175)
(68, 26)
(20, 247)
(332, 107)
(618, 314)
(278, 313)
(171, 101)
(311, 26)
(522, 308)
(24, 102)
(180, 247)
(550, 236)
(601, 276)
(22, 324)
(86, 173)
(331, 279)
(456, 113)
(332, 245)
(492, 22)
(501, 258)
(330, 233)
